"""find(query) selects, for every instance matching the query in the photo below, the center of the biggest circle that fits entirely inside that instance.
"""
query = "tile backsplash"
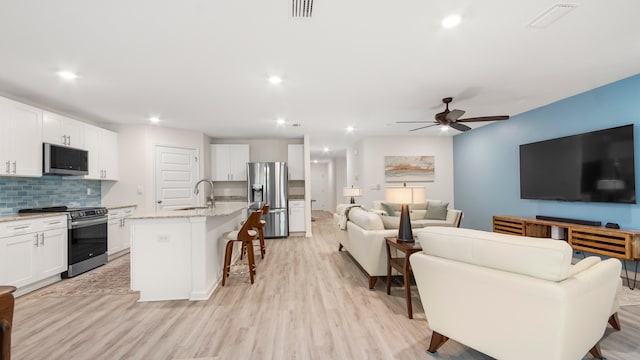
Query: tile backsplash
(19, 193)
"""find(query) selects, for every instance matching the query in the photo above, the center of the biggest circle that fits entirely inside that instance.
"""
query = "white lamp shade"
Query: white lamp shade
(351, 191)
(405, 195)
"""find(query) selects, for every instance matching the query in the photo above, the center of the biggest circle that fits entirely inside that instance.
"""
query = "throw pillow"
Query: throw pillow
(436, 211)
(388, 208)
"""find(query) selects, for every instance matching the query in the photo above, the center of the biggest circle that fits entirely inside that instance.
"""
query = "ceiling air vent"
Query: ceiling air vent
(551, 15)
(301, 8)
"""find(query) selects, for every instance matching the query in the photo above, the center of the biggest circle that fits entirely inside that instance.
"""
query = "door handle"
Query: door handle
(15, 166)
(42, 239)
(69, 140)
(8, 168)
(36, 237)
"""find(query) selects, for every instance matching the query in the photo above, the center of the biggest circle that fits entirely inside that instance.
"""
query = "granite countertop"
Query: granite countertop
(114, 207)
(16, 217)
(221, 209)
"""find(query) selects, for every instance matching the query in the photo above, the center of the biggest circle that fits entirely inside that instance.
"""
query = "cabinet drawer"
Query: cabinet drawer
(18, 227)
(57, 222)
(296, 203)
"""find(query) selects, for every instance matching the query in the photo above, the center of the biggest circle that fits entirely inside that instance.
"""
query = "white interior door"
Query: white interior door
(319, 185)
(176, 175)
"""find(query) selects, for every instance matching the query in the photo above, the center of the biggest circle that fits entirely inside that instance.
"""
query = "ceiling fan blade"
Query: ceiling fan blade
(460, 127)
(485, 118)
(424, 127)
(453, 115)
(413, 122)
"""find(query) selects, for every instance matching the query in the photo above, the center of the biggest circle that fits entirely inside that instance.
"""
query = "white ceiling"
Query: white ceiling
(203, 64)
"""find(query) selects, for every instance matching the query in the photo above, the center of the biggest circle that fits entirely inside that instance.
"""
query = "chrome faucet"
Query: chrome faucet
(210, 200)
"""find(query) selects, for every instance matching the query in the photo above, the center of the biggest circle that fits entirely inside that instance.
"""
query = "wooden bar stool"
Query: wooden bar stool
(245, 235)
(6, 320)
(260, 227)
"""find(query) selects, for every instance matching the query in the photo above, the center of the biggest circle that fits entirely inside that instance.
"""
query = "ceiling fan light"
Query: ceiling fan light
(451, 21)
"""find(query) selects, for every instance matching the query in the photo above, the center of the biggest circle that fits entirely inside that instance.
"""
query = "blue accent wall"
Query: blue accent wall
(487, 162)
(18, 193)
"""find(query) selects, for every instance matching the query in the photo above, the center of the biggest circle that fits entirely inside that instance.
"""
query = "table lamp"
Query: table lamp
(405, 195)
(352, 192)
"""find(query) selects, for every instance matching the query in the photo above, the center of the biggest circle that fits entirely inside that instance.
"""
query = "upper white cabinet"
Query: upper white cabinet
(102, 146)
(20, 139)
(295, 161)
(229, 162)
(60, 130)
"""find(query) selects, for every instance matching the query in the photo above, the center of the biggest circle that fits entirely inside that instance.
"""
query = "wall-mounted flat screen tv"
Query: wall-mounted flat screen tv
(597, 166)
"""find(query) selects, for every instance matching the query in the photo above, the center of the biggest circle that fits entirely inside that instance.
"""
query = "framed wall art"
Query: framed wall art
(409, 168)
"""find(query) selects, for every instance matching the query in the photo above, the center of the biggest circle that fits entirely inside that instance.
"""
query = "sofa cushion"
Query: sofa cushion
(365, 219)
(388, 209)
(436, 211)
(393, 222)
(429, 222)
(537, 257)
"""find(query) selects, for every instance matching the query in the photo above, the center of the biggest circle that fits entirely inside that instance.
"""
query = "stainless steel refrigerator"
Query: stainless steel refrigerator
(267, 184)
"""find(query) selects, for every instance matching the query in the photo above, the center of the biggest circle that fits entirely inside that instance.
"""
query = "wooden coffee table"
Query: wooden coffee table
(402, 265)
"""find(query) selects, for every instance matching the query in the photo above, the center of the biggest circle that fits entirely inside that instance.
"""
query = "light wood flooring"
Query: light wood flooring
(309, 301)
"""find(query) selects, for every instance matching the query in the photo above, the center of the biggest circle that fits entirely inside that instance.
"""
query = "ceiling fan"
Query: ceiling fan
(452, 118)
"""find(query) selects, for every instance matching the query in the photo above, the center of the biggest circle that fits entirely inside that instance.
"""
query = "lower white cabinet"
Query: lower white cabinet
(118, 237)
(296, 215)
(32, 251)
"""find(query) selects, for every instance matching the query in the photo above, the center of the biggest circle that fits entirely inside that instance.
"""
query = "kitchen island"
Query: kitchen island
(178, 254)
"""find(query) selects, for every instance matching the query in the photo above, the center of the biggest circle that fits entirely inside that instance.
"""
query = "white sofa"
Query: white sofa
(365, 230)
(513, 297)
(419, 214)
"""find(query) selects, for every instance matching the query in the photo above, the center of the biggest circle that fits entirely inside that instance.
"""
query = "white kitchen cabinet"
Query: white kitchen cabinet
(33, 251)
(295, 161)
(20, 139)
(102, 146)
(61, 130)
(229, 162)
(118, 237)
(296, 215)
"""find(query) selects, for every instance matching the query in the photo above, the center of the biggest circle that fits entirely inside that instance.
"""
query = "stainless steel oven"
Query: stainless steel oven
(87, 237)
(87, 240)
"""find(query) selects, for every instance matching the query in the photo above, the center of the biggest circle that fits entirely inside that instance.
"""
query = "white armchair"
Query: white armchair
(512, 297)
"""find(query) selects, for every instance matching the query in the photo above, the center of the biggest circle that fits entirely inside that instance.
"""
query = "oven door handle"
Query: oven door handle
(90, 222)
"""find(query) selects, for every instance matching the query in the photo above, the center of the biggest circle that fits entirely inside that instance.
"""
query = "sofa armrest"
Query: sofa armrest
(583, 265)
(454, 217)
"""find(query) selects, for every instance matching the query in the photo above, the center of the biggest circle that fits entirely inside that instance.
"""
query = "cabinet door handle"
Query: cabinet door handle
(64, 139)
(36, 237)
(15, 166)
(69, 140)
(8, 168)
(41, 239)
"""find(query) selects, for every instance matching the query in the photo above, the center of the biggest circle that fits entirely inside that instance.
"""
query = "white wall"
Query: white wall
(136, 184)
(340, 172)
(365, 165)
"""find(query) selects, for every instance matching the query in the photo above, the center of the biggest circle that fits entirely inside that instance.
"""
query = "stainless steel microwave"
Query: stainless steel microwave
(64, 160)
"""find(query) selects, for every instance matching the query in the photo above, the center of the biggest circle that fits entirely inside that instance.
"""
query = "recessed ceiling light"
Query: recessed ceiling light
(68, 75)
(326, 149)
(349, 128)
(451, 21)
(280, 121)
(275, 80)
(154, 119)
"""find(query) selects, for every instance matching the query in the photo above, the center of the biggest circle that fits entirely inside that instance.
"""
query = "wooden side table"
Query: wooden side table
(402, 265)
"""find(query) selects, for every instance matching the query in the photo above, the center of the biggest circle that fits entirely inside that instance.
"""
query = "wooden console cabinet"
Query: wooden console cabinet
(620, 244)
